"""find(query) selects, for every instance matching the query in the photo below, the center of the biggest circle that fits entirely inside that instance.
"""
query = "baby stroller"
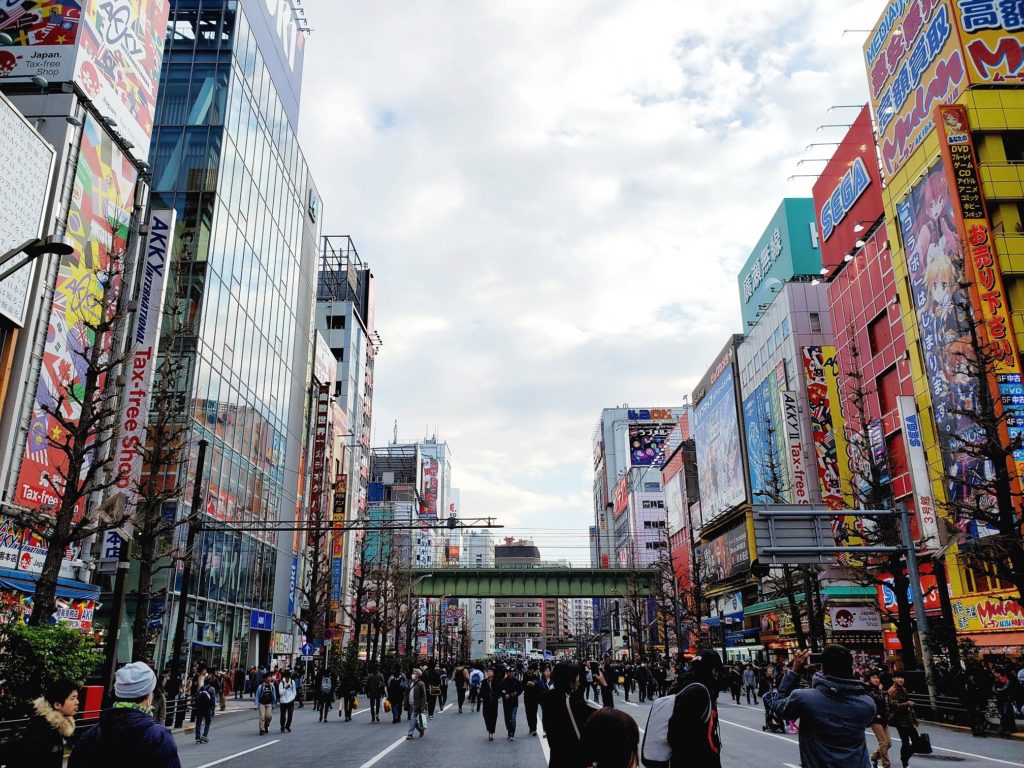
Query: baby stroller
(772, 722)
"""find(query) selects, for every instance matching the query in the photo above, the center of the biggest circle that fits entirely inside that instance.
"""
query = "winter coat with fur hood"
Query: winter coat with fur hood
(45, 736)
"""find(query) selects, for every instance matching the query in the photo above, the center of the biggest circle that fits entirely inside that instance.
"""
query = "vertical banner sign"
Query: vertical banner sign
(138, 394)
(829, 445)
(316, 488)
(799, 493)
(982, 265)
(911, 423)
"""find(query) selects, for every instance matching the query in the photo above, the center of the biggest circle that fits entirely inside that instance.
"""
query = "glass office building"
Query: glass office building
(225, 155)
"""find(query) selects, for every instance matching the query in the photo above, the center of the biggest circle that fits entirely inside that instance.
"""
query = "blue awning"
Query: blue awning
(24, 581)
(205, 644)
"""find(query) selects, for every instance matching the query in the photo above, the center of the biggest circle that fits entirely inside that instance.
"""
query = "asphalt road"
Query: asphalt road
(456, 740)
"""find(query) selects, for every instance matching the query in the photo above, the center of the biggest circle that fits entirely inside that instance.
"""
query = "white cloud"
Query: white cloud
(556, 198)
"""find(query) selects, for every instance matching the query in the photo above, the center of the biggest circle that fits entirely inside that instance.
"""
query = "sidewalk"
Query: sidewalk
(1015, 736)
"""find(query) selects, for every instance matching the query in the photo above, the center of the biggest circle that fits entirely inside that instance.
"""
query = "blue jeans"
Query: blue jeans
(511, 708)
(203, 721)
(414, 722)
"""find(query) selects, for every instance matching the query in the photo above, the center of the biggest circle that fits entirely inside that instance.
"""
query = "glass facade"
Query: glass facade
(225, 156)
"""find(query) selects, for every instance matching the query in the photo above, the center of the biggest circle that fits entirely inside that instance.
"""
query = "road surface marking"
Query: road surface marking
(970, 754)
(238, 754)
(755, 730)
(378, 756)
(359, 711)
(790, 765)
(544, 746)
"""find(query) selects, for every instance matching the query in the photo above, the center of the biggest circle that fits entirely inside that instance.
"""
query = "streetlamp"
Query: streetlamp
(32, 249)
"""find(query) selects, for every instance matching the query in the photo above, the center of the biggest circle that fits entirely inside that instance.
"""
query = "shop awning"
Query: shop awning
(997, 639)
(205, 644)
(24, 581)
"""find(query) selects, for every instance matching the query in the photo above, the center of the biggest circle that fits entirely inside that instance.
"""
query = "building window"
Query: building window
(339, 353)
(815, 319)
(1013, 145)
(888, 390)
(785, 327)
(879, 333)
(336, 322)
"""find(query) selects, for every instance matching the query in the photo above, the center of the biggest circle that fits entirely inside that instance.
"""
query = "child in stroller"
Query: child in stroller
(772, 722)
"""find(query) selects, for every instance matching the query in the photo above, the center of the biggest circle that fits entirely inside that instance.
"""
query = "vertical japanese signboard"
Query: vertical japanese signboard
(981, 264)
(316, 492)
(920, 484)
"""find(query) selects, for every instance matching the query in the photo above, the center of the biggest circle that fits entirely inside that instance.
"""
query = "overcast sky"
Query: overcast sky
(555, 198)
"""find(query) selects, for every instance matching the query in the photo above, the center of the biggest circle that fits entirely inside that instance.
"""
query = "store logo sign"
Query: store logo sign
(841, 201)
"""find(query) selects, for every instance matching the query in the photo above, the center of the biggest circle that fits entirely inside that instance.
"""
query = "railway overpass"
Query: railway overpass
(534, 582)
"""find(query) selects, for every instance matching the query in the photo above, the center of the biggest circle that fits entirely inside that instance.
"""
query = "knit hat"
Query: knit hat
(133, 681)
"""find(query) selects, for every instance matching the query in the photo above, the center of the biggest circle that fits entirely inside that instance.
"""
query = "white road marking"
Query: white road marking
(381, 754)
(238, 754)
(971, 754)
(755, 730)
(790, 765)
(544, 747)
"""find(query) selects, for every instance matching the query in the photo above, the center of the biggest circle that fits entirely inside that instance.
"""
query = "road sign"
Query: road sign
(793, 534)
(306, 649)
(328, 634)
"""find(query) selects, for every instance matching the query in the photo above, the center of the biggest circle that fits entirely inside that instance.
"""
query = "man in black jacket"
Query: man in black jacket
(693, 728)
(42, 744)
(510, 689)
(532, 691)
(432, 680)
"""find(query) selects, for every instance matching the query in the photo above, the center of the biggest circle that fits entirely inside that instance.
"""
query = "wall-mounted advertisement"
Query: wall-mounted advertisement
(826, 422)
(935, 262)
(766, 446)
(647, 443)
(118, 66)
(428, 507)
(98, 225)
(854, 618)
(716, 432)
(991, 612)
(914, 62)
(620, 495)
(44, 37)
(799, 491)
(991, 37)
(913, 442)
(28, 161)
(282, 43)
(728, 554)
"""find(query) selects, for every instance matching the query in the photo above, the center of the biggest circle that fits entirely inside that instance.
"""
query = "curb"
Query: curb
(1017, 736)
(191, 727)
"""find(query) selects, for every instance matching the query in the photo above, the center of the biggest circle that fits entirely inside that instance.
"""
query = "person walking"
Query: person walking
(833, 713)
(460, 676)
(750, 683)
(510, 689)
(415, 705)
(735, 678)
(693, 731)
(628, 676)
(375, 689)
(487, 698)
(398, 684)
(902, 717)
(443, 682)
(238, 679)
(287, 691)
(880, 725)
(266, 700)
(252, 681)
(533, 690)
(51, 727)
(345, 691)
(297, 677)
(126, 733)
(205, 706)
(432, 681)
(643, 681)
(324, 693)
(565, 717)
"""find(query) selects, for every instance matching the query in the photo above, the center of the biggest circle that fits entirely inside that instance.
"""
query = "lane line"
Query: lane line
(379, 755)
(790, 765)
(544, 747)
(238, 754)
(756, 730)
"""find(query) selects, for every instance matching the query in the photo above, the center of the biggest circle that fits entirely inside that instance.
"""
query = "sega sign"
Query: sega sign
(840, 202)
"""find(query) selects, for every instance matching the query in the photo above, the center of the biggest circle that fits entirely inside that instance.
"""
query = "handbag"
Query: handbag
(434, 690)
(923, 744)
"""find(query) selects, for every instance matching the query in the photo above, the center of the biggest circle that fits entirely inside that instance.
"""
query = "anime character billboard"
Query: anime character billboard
(719, 455)
(935, 262)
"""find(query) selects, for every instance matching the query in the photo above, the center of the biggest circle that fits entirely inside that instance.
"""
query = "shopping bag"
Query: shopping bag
(387, 705)
(355, 703)
(923, 744)
(421, 721)
(621, 680)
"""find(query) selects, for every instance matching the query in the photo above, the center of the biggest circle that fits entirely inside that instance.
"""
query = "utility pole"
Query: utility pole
(174, 684)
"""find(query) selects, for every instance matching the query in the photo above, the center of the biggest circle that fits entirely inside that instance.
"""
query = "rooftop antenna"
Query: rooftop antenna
(395, 438)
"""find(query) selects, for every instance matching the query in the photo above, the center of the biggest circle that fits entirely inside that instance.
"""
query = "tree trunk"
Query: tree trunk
(905, 620)
(794, 608)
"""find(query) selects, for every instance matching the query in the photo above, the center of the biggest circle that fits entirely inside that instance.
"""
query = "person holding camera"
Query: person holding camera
(834, 712)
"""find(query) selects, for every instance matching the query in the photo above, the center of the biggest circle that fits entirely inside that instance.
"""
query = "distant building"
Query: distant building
(518, 622)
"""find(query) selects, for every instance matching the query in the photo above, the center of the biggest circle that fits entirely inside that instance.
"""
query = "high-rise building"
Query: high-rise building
(478, 552)
(225, 155)
(518, 621)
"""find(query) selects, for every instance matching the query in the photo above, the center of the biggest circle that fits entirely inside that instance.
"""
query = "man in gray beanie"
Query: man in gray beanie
(127, 734)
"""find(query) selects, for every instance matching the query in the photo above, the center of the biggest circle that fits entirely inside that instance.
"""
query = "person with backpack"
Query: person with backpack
(205, 705)
(287, 691)
(266, 700)
(415, 704)
(375, 689)
(324, 692)
(461, 678)
(834, 712)
(682, 727)
(476, 678)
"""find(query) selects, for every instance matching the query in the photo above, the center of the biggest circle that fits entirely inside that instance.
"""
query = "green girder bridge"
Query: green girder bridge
(534, 582)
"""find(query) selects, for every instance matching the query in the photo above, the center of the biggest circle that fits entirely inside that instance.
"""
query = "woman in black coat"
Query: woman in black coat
(565, 715)
(489, 696)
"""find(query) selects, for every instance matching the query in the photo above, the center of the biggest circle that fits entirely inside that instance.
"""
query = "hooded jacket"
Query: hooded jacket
(127, 736)
(42, 745)
(833, 714)
(693, 728)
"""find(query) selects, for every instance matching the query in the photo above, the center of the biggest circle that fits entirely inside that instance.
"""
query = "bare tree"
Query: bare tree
(83, 411)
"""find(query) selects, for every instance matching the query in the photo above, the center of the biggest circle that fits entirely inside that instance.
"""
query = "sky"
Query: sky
(555, 199)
